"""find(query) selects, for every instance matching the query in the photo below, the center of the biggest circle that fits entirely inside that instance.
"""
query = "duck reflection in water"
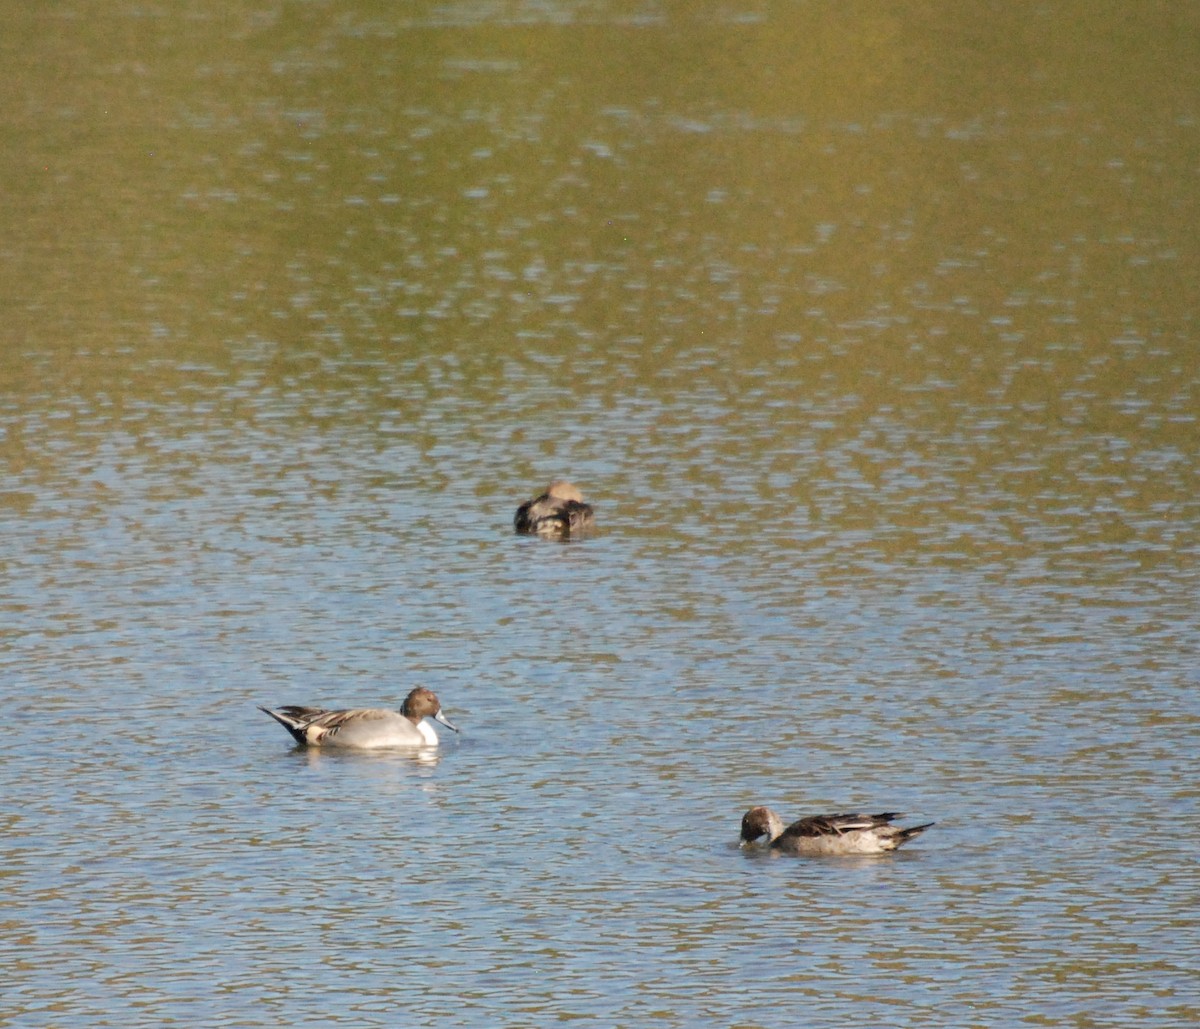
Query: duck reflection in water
(559, 512)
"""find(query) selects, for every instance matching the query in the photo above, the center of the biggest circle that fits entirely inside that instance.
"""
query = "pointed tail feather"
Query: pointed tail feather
(916, 830)
(293, 725)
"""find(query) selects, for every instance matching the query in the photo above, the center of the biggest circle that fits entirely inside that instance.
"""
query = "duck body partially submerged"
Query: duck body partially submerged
(559, 512)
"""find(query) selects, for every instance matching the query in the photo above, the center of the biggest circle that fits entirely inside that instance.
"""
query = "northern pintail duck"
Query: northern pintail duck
(560, 511)
(828, 834)
(366, 727)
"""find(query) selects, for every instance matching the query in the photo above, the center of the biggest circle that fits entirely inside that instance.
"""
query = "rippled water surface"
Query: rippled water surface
(869, 330)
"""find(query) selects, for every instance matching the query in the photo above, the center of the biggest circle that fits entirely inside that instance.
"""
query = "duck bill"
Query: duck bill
(439, 717)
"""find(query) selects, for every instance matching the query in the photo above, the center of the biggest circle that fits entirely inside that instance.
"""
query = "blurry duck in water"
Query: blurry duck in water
(560, 511)
(817, 835)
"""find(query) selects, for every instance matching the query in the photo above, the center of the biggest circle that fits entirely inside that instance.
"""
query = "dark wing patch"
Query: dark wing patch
(547, 514)
(836, 825)
(301, 713)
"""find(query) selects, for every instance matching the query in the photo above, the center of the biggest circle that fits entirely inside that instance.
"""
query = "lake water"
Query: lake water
(871, 332)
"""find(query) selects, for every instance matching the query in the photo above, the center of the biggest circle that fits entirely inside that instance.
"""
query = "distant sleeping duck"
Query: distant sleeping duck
(366, 727)
(560, 511)
(817, 835)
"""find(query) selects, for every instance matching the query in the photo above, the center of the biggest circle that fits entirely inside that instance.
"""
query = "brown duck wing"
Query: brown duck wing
(336, 719)
(526, 517)
(836, 825)
(301, 713)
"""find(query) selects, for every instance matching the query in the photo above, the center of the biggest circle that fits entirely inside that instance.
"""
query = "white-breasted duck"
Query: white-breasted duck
(366, 727)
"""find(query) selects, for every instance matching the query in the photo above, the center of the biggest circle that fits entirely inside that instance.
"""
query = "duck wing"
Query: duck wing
(331, 721)
(838, 825)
